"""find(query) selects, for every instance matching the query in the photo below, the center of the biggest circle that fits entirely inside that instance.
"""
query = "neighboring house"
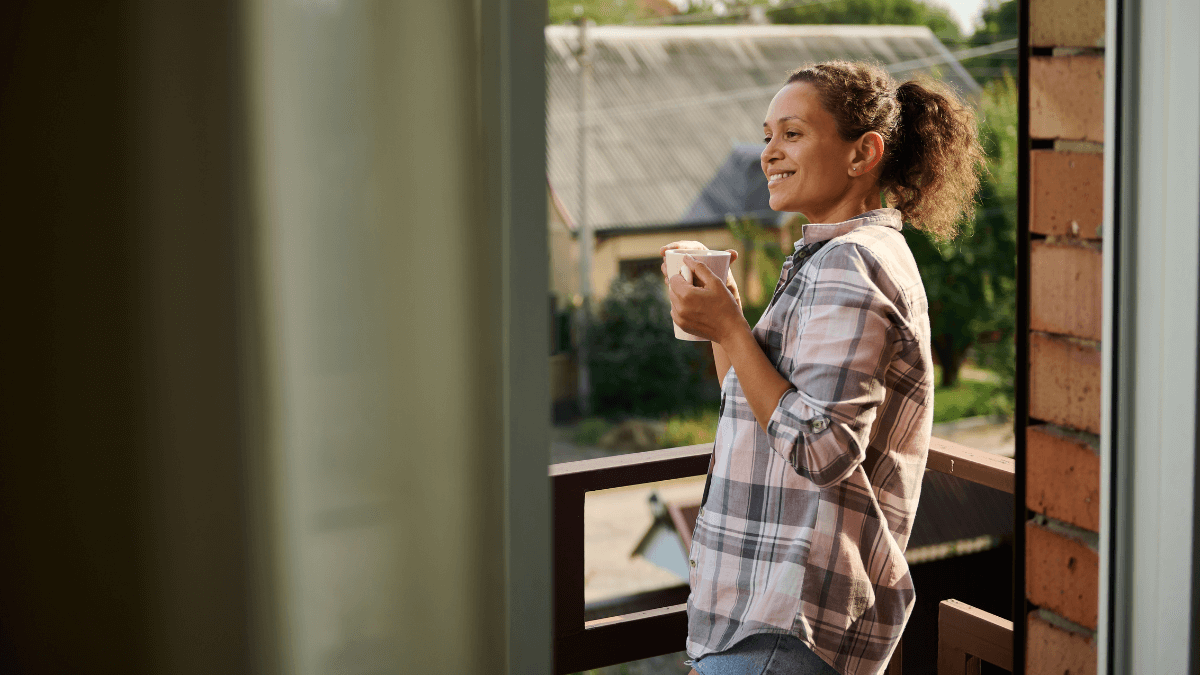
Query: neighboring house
(675, 117)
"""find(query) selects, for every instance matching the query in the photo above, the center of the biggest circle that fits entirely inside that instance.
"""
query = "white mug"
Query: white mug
(717, 261)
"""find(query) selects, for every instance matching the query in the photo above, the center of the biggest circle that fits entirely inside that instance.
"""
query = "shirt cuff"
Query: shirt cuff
(804, 437)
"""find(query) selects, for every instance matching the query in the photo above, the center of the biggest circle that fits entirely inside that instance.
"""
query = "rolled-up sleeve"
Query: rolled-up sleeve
(837, 365)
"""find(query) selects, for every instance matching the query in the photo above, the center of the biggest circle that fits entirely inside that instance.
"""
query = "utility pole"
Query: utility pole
(584, 316)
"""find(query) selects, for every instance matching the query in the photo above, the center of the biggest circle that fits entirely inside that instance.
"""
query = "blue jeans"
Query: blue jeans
(764, 654)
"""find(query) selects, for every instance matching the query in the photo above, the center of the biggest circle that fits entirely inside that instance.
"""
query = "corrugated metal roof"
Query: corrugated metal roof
(668, 103)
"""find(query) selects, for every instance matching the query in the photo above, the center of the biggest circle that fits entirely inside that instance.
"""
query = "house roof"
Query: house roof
(668, 104)
(737, 188)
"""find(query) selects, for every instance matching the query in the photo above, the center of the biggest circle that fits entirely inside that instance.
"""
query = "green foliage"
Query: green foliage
(971, 282)
(873, 12)
(970, 398)
(762, 246)
(999, 23)
(691, 428)
(685, 428)
(590, 430)
(600, 11)
(637, 365)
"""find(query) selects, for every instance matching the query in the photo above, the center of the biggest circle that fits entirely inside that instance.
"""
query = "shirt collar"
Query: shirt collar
(817, 232)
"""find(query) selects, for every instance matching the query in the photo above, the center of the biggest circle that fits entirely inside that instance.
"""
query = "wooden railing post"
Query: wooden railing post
(967, 635)
(568, 556)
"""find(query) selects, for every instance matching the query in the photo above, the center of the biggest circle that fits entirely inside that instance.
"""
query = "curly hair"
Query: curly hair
(932, 158)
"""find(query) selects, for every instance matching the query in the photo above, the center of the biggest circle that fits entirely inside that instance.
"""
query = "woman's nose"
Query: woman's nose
(769, 151)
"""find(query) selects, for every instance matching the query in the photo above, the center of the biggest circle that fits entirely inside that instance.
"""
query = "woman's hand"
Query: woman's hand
(730, 283)
(708, 309)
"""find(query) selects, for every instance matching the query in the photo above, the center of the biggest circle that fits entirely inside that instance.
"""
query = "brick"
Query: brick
(1062, 574)
(1064, 381)
(1066, 97)
(1065, 288)
(1050, 650)
(1062, 476)
(1066, 23)
(1066, 198)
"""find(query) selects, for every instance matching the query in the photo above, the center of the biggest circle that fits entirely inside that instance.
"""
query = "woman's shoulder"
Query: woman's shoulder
(881, 253)
(878, 244)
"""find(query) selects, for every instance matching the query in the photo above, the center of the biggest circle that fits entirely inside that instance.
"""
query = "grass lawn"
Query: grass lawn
(968, 398)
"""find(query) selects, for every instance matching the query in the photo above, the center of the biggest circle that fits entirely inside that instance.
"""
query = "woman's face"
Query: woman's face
(807, 164)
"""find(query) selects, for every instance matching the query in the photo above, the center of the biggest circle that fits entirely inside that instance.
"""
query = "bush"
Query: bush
(637, 365)
(691, 429)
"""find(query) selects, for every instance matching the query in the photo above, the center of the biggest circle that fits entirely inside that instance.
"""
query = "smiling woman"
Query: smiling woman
(797, 560)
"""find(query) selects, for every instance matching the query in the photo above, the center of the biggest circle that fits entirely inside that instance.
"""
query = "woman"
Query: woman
(827, 404)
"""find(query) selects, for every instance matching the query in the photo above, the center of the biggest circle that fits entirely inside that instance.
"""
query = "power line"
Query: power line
(984, 50)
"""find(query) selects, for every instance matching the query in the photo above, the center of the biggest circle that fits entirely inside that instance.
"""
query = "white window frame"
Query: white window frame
(1147, 619)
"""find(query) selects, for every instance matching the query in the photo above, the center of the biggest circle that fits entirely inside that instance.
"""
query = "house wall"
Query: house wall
(1062, 467)
(611, 250)
(564, 254)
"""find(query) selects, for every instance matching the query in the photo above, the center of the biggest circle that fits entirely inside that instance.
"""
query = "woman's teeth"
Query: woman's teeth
(776, 177)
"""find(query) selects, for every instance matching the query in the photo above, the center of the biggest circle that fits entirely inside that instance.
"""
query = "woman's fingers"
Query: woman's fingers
(682, 243)
(678, 286)
(702, 272)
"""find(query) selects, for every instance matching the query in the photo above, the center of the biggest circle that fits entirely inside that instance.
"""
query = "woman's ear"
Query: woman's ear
(868, 152)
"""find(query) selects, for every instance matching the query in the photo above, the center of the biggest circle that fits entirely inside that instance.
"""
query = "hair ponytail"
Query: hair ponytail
(932, 172)
(932, 157)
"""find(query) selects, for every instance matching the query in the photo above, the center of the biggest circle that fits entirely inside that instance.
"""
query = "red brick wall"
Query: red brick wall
(1062, 465)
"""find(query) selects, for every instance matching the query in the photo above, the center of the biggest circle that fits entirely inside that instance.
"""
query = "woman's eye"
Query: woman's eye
(766, 139)
(792, 134)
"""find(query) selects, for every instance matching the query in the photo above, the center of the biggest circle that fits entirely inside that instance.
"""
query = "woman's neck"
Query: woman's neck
(853, 205)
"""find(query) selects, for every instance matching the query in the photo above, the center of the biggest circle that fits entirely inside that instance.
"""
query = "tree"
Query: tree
(637, 365)
(971, 282)
(872, 12)
(999, 24)
(600, 11)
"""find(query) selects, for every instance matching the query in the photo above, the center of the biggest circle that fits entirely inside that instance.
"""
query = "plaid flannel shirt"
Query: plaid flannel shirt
(804, 526)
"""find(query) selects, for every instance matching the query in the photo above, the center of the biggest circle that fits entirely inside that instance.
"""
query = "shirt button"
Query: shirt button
(701, 513)
(819, 425)
(692, 563)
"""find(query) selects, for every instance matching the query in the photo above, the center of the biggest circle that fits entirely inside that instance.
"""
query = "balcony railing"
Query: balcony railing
(582, 645)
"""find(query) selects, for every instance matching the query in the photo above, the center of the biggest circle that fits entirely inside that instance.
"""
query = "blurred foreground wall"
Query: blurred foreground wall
(265, 380)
